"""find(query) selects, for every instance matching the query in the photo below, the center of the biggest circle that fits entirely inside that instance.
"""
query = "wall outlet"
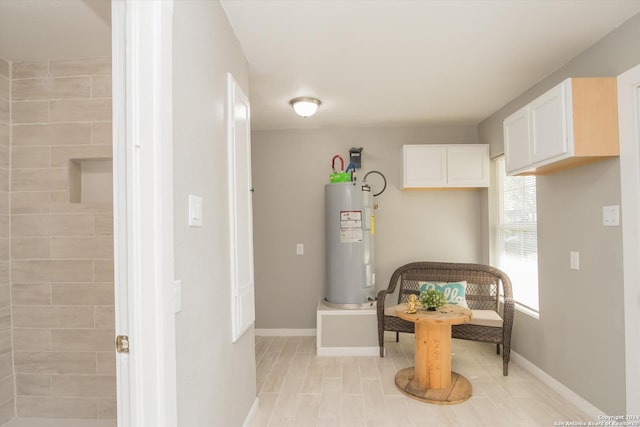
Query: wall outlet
(574, 260)
(611, 216)
(300, 249)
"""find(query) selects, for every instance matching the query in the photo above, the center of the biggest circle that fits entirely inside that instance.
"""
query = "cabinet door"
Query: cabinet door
(548, 116)
(468, 166)
(424, 166)
(516, 140)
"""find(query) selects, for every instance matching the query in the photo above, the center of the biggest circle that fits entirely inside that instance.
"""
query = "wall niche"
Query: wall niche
(91, 180)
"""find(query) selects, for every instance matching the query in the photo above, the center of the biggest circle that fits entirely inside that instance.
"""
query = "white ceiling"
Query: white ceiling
(399, 62)
(372, 63)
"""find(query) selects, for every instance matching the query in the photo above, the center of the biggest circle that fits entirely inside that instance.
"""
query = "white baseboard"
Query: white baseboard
(556, 385)
(348, 351)
(252, 414)
(285, 332)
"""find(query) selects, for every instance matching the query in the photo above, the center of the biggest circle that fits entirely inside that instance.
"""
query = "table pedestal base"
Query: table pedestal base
(459, 391)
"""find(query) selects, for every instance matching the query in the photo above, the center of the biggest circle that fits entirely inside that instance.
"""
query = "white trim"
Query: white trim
(327, 311)
(629, 118)
(123, 372)
(144, 198)
(527, 311)
(285, 332)
(253, 412)
(557, 386)
(319, 326)
(348, 351)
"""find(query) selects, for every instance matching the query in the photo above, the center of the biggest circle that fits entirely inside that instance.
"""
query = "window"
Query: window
(515, 235)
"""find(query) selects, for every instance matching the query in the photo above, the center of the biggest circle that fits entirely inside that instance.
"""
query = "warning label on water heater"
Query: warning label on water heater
(350, 226)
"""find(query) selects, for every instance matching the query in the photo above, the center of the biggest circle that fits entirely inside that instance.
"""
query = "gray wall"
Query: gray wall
(290, 169)
(216, 381)
(576, 341)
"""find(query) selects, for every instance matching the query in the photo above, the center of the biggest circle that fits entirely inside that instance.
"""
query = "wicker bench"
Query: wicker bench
(492, 318)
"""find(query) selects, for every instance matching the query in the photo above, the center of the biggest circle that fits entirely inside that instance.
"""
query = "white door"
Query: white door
(143, 211)
(629, 119)
(240, 211)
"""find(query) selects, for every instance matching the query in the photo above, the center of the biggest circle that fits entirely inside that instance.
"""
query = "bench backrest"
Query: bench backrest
(485, 284)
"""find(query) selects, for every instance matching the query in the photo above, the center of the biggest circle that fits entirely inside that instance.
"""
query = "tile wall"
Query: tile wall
(61, 251)
(7, 394)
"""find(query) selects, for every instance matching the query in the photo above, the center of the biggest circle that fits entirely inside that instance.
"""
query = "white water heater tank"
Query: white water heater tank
(349, 227)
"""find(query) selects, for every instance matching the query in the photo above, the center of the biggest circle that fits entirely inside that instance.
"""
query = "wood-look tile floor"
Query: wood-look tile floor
(297, 388)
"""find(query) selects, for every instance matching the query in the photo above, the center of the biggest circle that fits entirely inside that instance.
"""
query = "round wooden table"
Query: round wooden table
(431, 380)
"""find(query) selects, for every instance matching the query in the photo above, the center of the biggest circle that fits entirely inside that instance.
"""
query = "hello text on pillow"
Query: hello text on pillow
(454, 292)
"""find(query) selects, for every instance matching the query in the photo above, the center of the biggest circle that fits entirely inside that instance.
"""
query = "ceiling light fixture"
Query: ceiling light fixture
(305, 106)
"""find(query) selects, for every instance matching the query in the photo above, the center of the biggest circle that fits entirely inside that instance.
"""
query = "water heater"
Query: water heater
(349, 227)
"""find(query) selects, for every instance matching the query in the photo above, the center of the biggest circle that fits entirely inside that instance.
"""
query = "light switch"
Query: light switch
(195, 211)
(611, 216)
(300, 249)
(574, 260)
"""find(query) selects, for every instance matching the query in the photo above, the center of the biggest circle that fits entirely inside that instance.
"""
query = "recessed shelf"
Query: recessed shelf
(90, 180)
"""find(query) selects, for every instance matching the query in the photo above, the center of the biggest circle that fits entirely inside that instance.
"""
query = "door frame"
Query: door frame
(629, 125)
(142, 35)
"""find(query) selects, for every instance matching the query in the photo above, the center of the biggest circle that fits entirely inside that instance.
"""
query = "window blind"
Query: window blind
(516, 233)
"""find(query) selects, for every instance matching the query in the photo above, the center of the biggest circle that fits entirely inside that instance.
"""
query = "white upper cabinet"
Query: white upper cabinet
(424, 166)
(574, 123)
(516, 140)
(551, 120)
(445, 166)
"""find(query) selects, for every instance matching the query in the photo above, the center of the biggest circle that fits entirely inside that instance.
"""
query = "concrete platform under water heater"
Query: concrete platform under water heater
(346, 332)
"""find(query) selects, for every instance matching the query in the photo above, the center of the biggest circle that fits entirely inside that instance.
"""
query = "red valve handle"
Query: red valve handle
(333, 162)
